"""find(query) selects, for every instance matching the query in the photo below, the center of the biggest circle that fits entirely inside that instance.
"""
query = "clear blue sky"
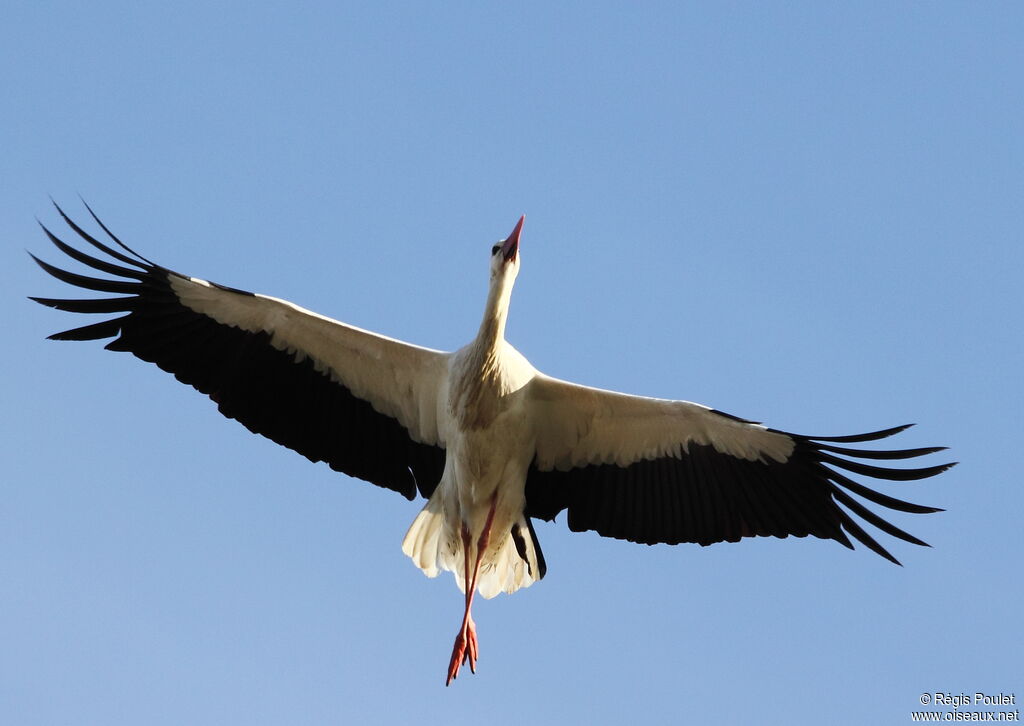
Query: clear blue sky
(809, 214)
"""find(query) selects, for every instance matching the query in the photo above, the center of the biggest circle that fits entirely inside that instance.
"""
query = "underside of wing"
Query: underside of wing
(364, 404)
(656, 471)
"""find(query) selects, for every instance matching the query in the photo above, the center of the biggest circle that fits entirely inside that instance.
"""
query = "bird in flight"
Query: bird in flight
(489, 441)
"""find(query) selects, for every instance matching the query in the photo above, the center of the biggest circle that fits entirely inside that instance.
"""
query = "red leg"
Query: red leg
(466, 639)
(465, 642)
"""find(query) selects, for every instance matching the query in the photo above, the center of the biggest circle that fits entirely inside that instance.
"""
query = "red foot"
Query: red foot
(465, 649)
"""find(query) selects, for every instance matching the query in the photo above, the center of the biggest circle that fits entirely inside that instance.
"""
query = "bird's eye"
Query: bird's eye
(494, 250)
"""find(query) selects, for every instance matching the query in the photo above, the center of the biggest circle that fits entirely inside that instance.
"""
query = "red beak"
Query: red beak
(510, 246)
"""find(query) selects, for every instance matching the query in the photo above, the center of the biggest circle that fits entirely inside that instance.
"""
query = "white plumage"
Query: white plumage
(487, 439)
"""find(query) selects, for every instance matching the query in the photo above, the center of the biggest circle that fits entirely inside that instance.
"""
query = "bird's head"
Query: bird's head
(505, 254)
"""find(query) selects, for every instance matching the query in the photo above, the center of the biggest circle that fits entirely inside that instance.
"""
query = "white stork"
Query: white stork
(487, 439)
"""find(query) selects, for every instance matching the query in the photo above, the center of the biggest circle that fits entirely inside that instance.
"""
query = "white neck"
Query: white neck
(492, 327)
(478, 384)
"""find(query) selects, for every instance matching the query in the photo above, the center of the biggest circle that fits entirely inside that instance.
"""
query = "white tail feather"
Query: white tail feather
(433, 546)
(424, 535)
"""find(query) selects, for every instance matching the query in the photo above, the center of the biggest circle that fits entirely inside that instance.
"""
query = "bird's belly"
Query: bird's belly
(489, 467)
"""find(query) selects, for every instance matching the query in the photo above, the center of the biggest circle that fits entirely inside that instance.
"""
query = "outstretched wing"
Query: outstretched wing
(651, 470)
(365, 404)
